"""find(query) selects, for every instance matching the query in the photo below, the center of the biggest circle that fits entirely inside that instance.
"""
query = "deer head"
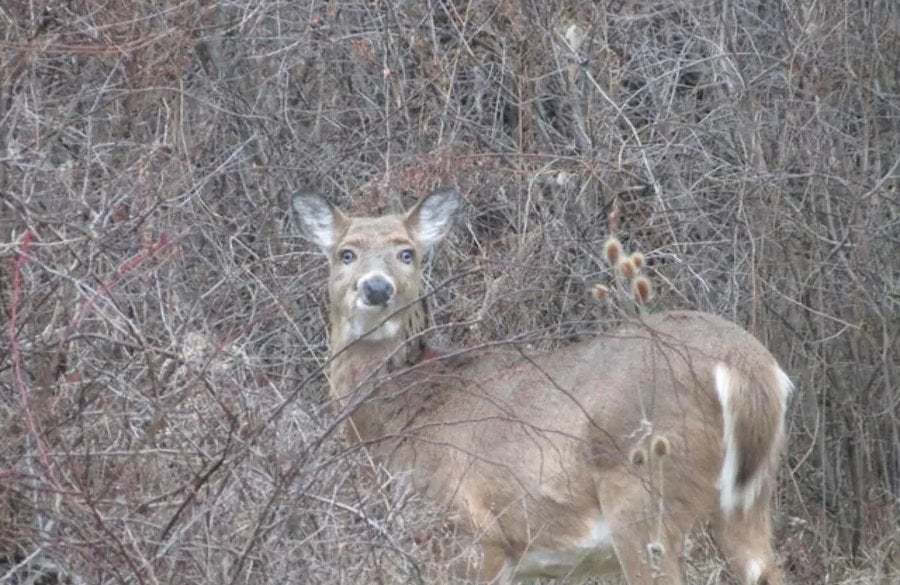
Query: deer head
(375, 263)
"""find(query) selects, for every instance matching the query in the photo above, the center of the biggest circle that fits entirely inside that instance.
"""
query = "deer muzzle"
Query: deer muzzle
(376, 290)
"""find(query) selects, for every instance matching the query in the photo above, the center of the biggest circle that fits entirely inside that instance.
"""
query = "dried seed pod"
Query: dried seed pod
(660, 446)
(600, 292)
(637, 258)
(626, 268)
(638, 456)
(643, 290)
(612, 250)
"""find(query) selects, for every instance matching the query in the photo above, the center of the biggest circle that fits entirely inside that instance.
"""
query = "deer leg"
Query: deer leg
(647, 561)
(745, 540)
(648, 543)
(496, 568)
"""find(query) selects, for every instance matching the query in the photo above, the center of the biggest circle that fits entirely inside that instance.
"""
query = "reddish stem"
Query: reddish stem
(16, 354)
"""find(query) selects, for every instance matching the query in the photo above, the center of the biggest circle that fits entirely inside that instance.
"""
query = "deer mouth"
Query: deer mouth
(373, 322)
(363, 304)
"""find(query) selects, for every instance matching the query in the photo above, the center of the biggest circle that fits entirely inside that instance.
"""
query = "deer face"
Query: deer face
(375, 263)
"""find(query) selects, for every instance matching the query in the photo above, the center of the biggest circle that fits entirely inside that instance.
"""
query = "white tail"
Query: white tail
(596, 457)
(747, 439)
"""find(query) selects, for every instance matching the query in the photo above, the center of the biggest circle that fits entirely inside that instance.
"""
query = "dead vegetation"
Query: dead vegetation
(163, 411)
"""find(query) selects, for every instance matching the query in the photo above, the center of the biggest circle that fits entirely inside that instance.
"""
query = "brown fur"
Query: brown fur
(531, 452)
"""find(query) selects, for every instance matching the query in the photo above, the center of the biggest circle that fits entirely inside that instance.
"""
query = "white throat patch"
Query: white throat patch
(372, 331)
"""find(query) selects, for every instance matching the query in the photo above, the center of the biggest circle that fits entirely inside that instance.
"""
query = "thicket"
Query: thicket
(163, 414)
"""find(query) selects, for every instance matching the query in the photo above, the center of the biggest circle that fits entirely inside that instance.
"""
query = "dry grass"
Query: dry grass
(164, 418)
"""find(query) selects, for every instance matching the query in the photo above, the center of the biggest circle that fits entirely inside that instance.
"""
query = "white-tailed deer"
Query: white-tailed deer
(593, 458)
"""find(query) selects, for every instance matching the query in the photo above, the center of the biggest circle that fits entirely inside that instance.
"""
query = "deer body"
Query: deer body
(593, 458)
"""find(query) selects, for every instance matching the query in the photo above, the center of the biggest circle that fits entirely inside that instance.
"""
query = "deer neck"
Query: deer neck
(361, 368)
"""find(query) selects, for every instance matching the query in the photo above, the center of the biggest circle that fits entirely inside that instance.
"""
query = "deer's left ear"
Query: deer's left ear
(431, 219)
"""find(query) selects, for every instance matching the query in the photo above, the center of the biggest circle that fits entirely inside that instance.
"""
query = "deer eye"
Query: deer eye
(406, 256)
(347, 256)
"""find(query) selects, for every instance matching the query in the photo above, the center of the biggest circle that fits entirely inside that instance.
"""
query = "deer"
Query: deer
(598, 457)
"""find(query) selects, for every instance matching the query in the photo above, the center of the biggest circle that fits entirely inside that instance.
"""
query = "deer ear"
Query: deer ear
(318, 221)
(431, 218)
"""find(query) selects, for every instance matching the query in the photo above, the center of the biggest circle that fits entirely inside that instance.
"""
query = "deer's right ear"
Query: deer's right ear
(318, 220)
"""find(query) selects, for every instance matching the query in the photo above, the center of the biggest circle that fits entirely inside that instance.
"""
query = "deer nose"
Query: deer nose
(377, 290)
